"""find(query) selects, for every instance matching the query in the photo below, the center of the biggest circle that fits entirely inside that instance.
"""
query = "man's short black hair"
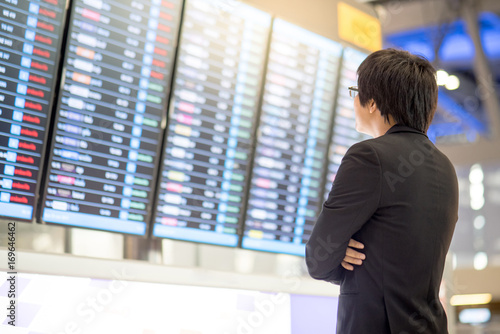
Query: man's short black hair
(402, 85)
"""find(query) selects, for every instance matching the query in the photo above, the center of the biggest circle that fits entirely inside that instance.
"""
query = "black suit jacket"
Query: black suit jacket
(398, 195)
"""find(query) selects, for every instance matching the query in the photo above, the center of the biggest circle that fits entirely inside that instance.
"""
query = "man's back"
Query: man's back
(405, 214)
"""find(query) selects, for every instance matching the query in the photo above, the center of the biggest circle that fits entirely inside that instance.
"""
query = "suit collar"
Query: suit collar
(403, 128)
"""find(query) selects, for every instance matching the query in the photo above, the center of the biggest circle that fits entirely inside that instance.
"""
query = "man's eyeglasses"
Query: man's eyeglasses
(353, 91)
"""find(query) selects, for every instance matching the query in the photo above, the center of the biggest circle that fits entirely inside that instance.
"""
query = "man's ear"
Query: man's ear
(373, 106)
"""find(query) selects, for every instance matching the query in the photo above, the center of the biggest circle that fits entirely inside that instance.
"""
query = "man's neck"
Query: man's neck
(381, 127)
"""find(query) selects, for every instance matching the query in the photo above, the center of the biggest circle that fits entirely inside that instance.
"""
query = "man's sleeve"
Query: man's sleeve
(353, 199)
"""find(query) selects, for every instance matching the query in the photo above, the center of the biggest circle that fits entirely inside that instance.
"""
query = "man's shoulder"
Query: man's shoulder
(391, 146)
(363, 151)
(396, 142)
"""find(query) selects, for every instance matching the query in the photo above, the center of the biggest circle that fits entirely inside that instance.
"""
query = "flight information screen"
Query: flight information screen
(112, 103)
(212, 117)
(30, 42)
(289, 165)
(344, 133)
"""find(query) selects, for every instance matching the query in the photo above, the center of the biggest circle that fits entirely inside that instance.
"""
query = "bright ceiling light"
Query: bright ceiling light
(452, 82)
(476, 191)
(474, 316)
(476, 174)
(477, 203)
(472, 299)
(479, 222)
(476, 188)
(442, 77)
(480, 260)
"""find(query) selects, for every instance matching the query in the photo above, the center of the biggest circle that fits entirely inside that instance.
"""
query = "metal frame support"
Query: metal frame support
(482, 71)
(140, 248)
(485, 149)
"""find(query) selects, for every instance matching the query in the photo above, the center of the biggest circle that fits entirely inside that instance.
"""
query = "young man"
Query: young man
(387, 224)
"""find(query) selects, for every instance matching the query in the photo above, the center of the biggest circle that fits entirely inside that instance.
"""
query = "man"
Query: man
(387, 224)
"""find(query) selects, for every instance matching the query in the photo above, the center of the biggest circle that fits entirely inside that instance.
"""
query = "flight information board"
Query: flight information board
(30, 43)
(344, 133)
(112, 103)
(287, 183)
(212, 117)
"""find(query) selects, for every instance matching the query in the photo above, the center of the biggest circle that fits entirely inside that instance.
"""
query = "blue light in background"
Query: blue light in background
(457, 45)
(455, 109)
(456, 48)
